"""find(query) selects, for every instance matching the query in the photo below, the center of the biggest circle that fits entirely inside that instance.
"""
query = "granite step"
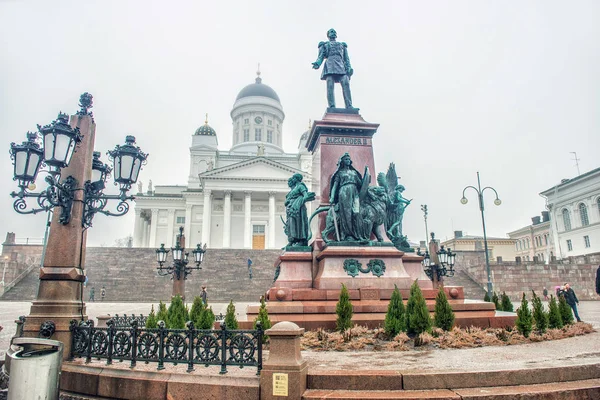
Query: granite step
(444, 394)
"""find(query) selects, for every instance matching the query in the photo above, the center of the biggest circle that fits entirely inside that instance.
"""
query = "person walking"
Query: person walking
(572, 300)
(545, 292)
(250, 268)
(102, 293)
(598, 280)
(92, 293)
(204, 295)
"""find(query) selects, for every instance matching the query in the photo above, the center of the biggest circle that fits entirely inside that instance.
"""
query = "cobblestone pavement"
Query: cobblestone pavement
(578, 350)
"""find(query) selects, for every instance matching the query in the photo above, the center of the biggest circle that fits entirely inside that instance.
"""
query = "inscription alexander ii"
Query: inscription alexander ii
(344, 140)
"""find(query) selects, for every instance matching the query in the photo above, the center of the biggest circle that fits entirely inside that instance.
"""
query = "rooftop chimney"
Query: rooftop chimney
(545, 216)
(458, 234)
(536, 220)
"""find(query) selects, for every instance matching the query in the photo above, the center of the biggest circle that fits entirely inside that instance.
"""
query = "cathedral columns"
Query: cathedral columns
(247, 220)
(170, 226)
(271, 244)
(138, 228)
(153, 226)
(206, 217)
(227, 220)
(187, 228)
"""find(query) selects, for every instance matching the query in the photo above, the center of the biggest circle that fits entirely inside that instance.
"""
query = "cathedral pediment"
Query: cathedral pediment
(258, 168)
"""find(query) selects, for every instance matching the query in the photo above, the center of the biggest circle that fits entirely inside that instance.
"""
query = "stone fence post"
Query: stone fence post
(284, 374)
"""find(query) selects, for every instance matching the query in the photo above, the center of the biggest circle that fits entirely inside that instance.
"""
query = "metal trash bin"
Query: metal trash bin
(35, 369)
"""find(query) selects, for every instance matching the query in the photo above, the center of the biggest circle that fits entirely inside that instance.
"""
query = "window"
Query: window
(258, 134)
(569, 245)
(180, 220)
(270, 123)
(270, 136)
(586, 240)
(598, 204)
(528, 243)
(585, 221)
(246, 121)
(246, 135)
(517, 245)
(546, 239)
(537, 241)
(258, 229)
(566, 219)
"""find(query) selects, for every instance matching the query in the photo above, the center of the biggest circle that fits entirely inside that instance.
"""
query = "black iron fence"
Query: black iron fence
(124, 321)
(191, 346)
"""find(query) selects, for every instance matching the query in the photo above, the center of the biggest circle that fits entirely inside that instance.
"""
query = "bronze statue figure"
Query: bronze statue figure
(296, 226)
(337, 67)
(395, 207)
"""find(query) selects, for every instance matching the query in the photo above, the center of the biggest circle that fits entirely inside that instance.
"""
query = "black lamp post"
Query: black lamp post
(59, 144)
(497, 202)
(179, 268)
(440, 263)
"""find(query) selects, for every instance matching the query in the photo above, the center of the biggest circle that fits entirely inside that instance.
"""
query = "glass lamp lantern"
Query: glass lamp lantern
(451, 257)
(99, 172)
(59, 142)
(199, 254)
(177, 252)
(127, 161)
(161, 254)
(27, 158)
(426, 259)
(442, 256)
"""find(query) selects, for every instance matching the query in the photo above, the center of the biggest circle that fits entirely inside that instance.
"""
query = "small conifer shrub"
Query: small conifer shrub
(487, 298)
(395, 321)
(263, 318)
(344, 311)
(565, 311)
(505, 303)
(230, 318)
(176, 313)
(524, 319)
(496, 301)
(151, 321)
(554, 318)
(417, 314)
(196, 311)
(162, 314)
(444, 316)
(207, 318)
(540, 317)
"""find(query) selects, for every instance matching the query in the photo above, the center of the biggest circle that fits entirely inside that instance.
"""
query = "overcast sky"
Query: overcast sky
(507, 88)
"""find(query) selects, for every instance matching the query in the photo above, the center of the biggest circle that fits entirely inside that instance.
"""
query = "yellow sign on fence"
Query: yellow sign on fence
(280, 384)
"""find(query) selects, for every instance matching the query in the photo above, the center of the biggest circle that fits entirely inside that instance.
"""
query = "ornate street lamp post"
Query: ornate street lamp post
(437, 262)
(179, 270)
(76, 178)
(424, 209)
(497, 202)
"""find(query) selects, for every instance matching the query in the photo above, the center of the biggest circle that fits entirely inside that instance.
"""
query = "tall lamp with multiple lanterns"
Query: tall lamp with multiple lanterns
(437, 262)
(76, 179)
(497, 202)
(179, 270)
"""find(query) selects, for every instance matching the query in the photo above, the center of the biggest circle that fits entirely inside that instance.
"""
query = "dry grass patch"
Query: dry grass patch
(365, 339)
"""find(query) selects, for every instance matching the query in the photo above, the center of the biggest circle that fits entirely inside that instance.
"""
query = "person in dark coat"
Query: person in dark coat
(204, 295)
(572, 300)
(598, 280)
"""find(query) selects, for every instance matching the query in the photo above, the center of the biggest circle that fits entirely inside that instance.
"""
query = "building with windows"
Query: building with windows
(234, 198)
(534, 240)
(497, 247)
(574, 206)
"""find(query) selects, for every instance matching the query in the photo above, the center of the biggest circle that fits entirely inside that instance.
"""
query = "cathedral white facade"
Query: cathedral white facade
(233, 199)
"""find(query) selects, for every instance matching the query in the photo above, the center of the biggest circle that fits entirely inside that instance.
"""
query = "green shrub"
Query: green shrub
(162, 314)
(540, 317)
(343, 309)
(176, 313)
(565, 311)
(395, 321)
(496, 301)
(486, 298)
(263, 317)
(505, 303)
(417, 314)
(151, 321)
(230, 319)
(523, 322)
(196, 311)
(554, 318)
(207, 319)
(444, 316)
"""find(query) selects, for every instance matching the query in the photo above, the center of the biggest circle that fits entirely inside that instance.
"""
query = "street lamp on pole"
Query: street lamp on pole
(497, 202)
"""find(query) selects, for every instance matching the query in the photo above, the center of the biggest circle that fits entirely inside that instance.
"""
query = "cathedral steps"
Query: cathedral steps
(24, 290)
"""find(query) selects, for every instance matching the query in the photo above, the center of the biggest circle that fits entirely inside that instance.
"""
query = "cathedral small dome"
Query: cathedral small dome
(206, 129)
(258, 89)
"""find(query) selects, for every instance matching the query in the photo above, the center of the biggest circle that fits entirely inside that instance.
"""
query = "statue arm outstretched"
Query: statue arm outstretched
(321, 56)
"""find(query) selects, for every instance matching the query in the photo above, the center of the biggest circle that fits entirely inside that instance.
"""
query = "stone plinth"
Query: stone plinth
(329, 139)
(284, 373)
(295, 270)
(331, 273)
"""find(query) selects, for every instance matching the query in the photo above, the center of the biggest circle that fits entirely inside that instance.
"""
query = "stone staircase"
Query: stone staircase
(129, 274)
(573, 382)
(471, 288)
(24, 290)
